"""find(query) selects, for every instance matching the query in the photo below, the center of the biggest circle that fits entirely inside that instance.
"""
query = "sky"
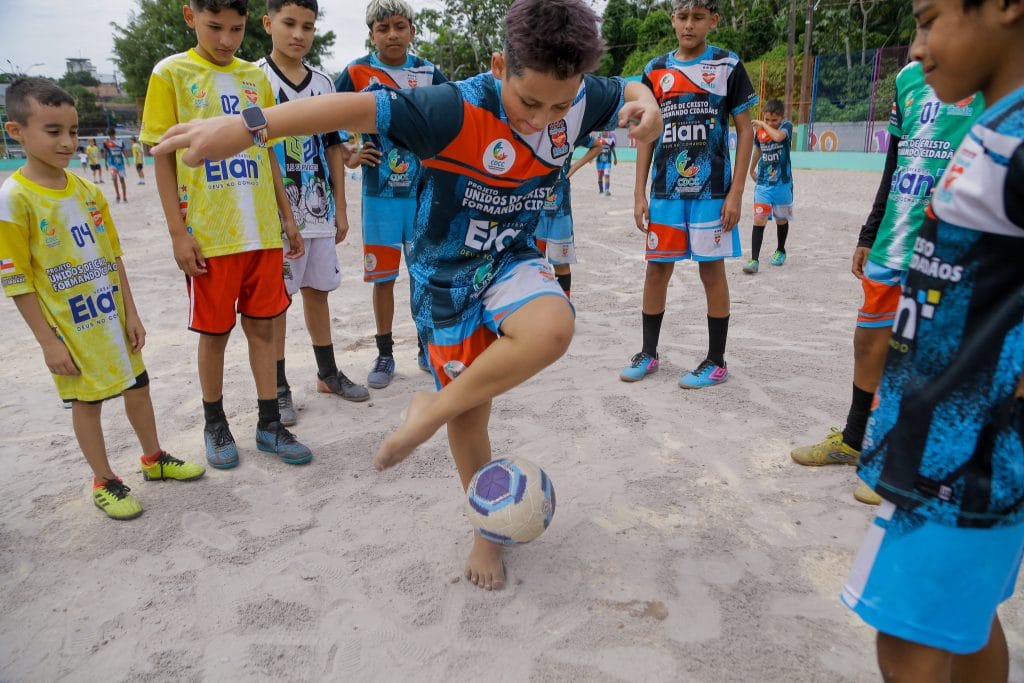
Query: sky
(37, 35)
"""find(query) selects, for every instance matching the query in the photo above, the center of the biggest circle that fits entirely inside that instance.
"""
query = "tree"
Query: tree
(461, 38)
(158, 30)
(83, 78)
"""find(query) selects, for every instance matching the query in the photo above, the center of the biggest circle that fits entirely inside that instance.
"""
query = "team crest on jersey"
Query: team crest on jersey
(396, 163)
(667, 81)
(412, 80)
(199, 99)
(96, 215)
(710, 74)
(370, 263)
(558, 133)
(49, 233)
(683, 166)
(250, 91)
(499, 157)
(374, 81)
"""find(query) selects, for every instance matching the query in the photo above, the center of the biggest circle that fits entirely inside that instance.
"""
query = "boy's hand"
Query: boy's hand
(58, 358)
(296, 248)
(187, 255)
(215, 139)
(753, 174)
(641, 213)
(731, 211)
(368, 155)
(135, 331)
(757, 123)
(341, 221)
(860, 258)
(643, 119)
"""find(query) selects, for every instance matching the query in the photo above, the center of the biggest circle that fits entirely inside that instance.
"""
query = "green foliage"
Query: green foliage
(72, 78)
(91, 117)
(158, 30)
(461, 38)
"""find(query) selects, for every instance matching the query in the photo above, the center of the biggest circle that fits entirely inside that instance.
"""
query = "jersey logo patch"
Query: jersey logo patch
(250, 92)
(710, 74)
(558, 134)
(667, 81)
(499, 157)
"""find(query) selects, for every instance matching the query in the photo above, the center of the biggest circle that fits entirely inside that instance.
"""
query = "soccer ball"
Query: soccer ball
(511, 501)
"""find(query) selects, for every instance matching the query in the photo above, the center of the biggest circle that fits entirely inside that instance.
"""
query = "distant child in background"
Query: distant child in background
(390, 174)
(115, 155)
(60, 260)
(555, 229)
(139, 157)
(83, 159)
(92, 151)
(313, 171)
(772, 171)
(604, 162)
(695, 194)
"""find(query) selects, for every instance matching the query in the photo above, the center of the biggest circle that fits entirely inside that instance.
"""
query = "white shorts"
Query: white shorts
(317, 268)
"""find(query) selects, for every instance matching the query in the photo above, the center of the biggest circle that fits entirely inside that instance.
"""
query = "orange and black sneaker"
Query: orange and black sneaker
(112, 496)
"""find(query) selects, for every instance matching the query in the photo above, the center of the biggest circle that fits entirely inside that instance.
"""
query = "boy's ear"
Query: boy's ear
(266, 23)
(13, 129)
(190, 15)
(498, 65)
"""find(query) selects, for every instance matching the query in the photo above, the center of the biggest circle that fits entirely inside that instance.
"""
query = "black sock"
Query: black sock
(268, 412)
(783, 234)
(756, 238)
(565, 282)
(857, 419)
(652, 331)
(385, 345)
(213, 411)
(325, 363)
(282, 381)
(718, 331)
(421, 347)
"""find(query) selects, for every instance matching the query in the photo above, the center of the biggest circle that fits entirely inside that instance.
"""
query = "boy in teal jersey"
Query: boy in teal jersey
(60, 260)
(772, 171)
(925, 133)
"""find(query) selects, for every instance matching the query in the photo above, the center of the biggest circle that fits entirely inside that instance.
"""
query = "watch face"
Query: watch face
(254, 118)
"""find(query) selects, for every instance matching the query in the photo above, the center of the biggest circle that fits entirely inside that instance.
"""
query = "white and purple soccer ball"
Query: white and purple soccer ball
(511, 500)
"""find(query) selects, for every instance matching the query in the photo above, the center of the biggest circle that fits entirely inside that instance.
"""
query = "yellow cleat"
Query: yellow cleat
(831, 451)
(867, 495)
(167, 467)
(112, 497)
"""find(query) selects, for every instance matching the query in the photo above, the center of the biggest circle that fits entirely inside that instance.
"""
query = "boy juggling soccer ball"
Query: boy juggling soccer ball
(223, 220)
(695, 195)
(492, 146)
(772, 171)
(60, 260)
(313, 169)
(390, 174)
(944, 445)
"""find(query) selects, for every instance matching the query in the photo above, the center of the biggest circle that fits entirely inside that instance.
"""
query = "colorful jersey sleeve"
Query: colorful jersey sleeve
(62, 246)
(929, 133)
(399, 171)
(484, 185)
(691, 160)
(946, 439)
(775, 167)
(229, 206)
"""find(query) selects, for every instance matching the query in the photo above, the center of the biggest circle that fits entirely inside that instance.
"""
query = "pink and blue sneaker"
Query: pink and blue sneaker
(707, 374)
(639, 367)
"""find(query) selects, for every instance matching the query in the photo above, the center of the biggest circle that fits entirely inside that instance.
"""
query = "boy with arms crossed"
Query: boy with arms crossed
(390, 174)
(489, 307)
(60, 260)
(313, 168)
(223, 220)
(772, 171)
(944, 445)
(695, 196)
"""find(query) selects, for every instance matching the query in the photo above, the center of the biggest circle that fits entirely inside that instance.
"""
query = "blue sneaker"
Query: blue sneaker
(639, 367)
(707, 374)
(424, 363)
(381, 373)
(274, 438)
(778, 258)
(220, 446)
(751, 267)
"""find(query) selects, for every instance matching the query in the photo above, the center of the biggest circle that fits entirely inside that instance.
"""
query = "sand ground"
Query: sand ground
(686, 545)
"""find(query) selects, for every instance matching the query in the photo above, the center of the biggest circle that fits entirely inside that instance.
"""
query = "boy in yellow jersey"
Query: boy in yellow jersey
(139, 159)
(224, 223)
(60, 260)
(92, 152)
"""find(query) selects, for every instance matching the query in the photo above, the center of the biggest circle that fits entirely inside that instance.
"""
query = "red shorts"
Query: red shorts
(251, 282)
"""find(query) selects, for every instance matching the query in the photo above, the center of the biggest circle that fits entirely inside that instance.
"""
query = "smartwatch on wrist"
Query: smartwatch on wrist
(256, 123)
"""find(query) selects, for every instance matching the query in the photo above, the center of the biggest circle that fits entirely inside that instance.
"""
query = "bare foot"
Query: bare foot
(484, 567)
(414, 430)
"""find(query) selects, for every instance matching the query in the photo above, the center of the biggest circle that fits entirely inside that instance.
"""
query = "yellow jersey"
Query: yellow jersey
(62, 246)
(137, 154)
(93, 152)
(229, 206)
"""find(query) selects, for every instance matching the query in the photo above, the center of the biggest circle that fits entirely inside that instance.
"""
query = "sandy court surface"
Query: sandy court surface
(686, 545)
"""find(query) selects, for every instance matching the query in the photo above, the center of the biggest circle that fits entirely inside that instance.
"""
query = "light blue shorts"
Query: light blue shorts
(603, 166)
(682, 229)
(555, 240)
(773, 202)
(932, 584)
(387, 231)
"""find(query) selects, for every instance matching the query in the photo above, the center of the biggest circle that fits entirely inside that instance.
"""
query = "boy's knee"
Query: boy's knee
(659, 272)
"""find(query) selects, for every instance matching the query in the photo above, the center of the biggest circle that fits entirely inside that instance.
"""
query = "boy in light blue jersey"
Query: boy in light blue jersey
(772, 170)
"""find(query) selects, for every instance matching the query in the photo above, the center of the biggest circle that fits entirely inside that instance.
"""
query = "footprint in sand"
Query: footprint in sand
(203, 527)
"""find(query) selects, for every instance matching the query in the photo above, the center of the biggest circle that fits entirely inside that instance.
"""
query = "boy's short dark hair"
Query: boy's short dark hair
(379, 10)
(42, 90)
(275, 6)
(215, 6)
(111, 131)
(709, 5)
(555, 37)
(774, 106)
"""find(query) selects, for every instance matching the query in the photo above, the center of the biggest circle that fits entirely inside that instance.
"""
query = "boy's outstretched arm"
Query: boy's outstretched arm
(186, 252)
(595, 149)
(223, 136)
(55, 353)
(284, 207)
(744, 150)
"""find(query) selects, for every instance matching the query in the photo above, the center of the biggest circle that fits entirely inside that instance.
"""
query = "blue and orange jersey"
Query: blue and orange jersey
(697, 97)
(775, 166)
(558, 202)
(399, 170)
(484, 185)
